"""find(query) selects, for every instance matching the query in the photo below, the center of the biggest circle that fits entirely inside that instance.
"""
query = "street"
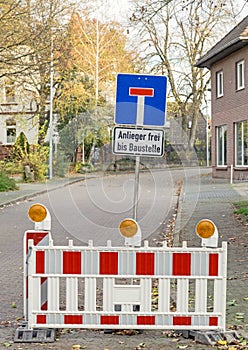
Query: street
(92, 209)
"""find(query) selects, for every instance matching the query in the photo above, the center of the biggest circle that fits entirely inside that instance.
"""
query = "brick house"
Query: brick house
(228, 63)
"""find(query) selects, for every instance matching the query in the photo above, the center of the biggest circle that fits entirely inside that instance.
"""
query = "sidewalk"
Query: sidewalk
(31, 189)
(213, 200)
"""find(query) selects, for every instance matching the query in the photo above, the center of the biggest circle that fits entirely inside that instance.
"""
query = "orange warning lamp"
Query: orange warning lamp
(208, 232)
(37, 212)
(129, 228)
(41, 217)
(205, 228)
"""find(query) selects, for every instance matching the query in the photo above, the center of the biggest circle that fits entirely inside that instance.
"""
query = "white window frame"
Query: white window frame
(240, 74)
(219, 83)
(220, 131)
(244, 140)
(10, 126)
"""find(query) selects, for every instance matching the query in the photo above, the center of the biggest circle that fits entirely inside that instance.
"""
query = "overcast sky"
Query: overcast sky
(122, 7)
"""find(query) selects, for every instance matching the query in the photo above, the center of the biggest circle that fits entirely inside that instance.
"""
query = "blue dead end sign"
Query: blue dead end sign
(141, 99)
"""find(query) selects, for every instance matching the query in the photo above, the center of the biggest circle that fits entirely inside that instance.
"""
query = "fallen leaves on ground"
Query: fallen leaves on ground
(77, 346)
(234, 344)
(239, 315)
(140, 346)
(126, 332)
(232, 302)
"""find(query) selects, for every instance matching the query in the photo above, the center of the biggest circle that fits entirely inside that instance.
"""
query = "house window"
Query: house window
(240, 75)
(11, 131)
(10, 91)
(219, 84)
(241, 143)
(221, 145)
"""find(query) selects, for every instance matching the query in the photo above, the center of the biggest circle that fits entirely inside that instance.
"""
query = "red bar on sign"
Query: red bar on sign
(181, 264)
(145, 263)
(40, 262)
(109, 263)
(213, 264)
(72, 262)
(133, 91)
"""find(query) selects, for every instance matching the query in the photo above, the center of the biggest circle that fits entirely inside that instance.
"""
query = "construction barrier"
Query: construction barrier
(41, 238)
(126, 287)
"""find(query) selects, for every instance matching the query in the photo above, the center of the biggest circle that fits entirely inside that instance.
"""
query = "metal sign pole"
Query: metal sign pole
(136, 188)
(139, 122)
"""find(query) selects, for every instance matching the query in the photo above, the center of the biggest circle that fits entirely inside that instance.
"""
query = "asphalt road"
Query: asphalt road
(94, 209)
(91, 209)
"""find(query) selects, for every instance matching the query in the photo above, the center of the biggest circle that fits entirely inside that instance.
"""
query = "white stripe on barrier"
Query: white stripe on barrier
(90, 294)
(201, 295)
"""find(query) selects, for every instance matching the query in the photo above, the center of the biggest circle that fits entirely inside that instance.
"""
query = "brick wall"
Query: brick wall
(228, 109)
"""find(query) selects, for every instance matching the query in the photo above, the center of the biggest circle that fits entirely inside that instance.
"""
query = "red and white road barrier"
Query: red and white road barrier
(40, 238)
(186, 276)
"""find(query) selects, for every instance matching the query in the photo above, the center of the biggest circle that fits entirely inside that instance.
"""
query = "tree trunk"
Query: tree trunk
(192, 135)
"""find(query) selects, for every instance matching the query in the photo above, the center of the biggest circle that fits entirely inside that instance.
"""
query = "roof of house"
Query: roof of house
(233, 41)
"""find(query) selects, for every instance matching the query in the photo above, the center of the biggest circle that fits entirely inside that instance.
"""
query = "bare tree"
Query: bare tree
(174, 34)
(43, 26)
(13, 37)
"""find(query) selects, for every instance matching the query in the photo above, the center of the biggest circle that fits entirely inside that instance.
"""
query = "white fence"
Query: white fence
(126, 288)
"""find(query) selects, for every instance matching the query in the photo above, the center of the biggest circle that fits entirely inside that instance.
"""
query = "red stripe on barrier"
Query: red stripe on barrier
(213, 264)
(181, 321)
(44, 306)
(43, 280)
(109, 319)
(141, 91)
(141, 320)
(36, 236)
(213, 321)
(41, 319)
(181, 264)
(72, 263)
(43, 291)
(109, 263)
(73, 319)
(40, 261)
(145, 263)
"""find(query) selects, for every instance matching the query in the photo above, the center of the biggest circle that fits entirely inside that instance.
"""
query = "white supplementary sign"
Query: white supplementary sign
(143, 142)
